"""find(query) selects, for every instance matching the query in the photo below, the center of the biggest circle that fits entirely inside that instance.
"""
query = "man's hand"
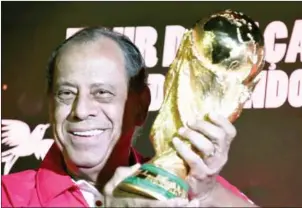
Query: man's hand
(212, 140)
(120, 174)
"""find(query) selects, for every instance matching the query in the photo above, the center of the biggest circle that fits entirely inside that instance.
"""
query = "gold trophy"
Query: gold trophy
(216, 69)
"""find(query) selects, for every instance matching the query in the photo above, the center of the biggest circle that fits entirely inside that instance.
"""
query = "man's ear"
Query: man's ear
(144, 103)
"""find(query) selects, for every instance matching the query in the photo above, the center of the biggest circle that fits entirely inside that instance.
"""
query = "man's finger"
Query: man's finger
(192, 159)
(200, 142)
(123, 172)
(214, 133)
(120, 174)
(224, 123)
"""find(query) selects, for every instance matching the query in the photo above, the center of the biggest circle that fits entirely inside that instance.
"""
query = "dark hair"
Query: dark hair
(135, 64)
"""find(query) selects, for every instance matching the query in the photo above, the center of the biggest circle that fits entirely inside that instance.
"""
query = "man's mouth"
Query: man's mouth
(89, 133)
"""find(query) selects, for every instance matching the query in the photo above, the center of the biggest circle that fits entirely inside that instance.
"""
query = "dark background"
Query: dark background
(265, 158)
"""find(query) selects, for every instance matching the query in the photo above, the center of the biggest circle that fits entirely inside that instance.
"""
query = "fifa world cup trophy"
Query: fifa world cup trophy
(215, 69)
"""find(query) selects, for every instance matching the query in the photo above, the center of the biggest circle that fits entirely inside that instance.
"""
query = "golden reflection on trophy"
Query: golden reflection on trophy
(215, 69)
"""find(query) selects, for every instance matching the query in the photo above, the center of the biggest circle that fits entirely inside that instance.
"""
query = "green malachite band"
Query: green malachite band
(159, 171)
(149, 186)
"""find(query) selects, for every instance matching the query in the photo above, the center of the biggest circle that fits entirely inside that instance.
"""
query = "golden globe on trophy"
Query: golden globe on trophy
(215, 69)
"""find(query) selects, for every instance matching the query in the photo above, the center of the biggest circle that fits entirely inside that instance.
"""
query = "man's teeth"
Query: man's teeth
(88, 133)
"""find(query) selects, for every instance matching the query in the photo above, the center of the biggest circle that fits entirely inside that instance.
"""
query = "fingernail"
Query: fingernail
(176, 140)
(190, 123)
(181, 130)
(136, 166)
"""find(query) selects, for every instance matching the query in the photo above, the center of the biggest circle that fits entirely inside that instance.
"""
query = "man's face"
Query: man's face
(90, 91)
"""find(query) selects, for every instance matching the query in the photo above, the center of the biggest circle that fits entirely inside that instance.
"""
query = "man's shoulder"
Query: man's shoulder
(19, 179)
(17, 187)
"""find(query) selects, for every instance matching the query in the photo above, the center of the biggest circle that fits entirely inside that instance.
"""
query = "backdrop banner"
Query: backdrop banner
(266, 156)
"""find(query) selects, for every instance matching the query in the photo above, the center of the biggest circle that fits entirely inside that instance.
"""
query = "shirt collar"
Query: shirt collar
(52, 170)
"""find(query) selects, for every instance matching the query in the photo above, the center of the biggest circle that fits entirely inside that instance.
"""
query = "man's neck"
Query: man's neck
(119, 157)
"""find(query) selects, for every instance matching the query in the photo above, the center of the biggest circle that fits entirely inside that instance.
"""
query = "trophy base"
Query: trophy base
(127, 190)
(152, 182)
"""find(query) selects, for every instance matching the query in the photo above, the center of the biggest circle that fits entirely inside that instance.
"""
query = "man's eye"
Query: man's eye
(65, 94)
(103, 93)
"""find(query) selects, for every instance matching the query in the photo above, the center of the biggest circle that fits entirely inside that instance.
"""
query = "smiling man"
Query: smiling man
(98, 95)
(88, 102)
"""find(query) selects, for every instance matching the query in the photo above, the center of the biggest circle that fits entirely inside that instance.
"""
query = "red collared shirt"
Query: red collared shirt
(51, 186)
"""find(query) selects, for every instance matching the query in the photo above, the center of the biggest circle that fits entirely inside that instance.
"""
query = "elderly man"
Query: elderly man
(98, 95)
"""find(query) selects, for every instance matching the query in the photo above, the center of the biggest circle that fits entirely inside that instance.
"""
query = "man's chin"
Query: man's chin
(88, 164)
(90, 158)
(85, 166)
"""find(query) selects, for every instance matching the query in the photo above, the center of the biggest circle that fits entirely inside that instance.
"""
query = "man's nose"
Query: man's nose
(84, 107)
